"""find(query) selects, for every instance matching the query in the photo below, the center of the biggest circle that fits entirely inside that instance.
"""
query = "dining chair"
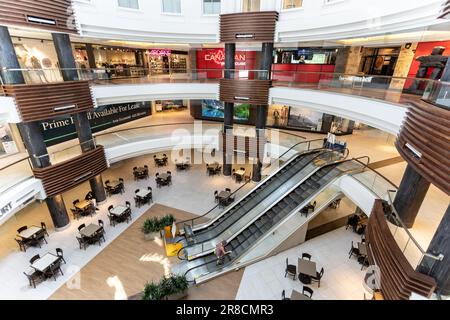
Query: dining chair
(81, 226)
(101, 223)
(318, 276)
(110, 208)
(60, 254)
(168, 172)
(290, 269)
(75, 202)
(112, 220)
(44, 227)
(306, 256)
(38, 238)
(283, 295)
(228, 189)
(75, 213)
(307, 291)
(33, 276)
(128, 204)
(242, 168)
(34, 258)
(216, 196)
(21, 243)
(82, 241)
(54, 269)
(22, 229)
(135, 168)
(354, 251)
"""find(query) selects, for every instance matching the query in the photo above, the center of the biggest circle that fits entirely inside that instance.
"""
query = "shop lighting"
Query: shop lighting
(242, 98)
(245, 36)
(73, 106)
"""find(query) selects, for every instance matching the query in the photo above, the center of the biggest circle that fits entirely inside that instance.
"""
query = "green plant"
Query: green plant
(156, 224)
(165, 287)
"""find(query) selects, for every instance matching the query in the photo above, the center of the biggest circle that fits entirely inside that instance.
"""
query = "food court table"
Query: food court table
(83, 204)
(114, 184)
(306, 268)
(118, 211)
(163, 176)
(143, 193)
(44, 262)
(30, 232)
(141, 170)
(240, 172)
(213, 166)
(90, 230)
(295, 295)
(223, 195)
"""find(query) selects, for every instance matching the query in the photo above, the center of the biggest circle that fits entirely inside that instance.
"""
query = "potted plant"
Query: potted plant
(153, 226)
(172, 288)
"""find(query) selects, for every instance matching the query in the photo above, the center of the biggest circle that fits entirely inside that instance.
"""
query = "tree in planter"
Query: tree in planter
(165, 287)
(156, 224)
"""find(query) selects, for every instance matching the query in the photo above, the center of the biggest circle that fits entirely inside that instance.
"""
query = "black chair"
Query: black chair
(169, 172)
(89, 196)
(101, 223)
(97, 237)
(107, 182)
(33, 276)
(53, 270)
(135, 168)
(112, 220)
(306, 256)
(354, 251)
(283, 295)
(128, 204)
(216, 196)
(137, 202)
(110, 208)
(109, 190)
(318, 276)
(137, 190)
(352, 222)
(228, 189)
(44, 227)
(169, 180)
(34, 258)
(238, 179)
(81, 226)
(22, 229)
(307, 291)
(75, 213)
(60, 254)
(22, 244)
(290, 269)
(82, 241)
(38, 238)
(75, 202)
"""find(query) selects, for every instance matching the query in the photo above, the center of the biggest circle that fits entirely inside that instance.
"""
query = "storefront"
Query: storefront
(170, 105)
(303, 64)
(7, 144)
(211, 59)
(165, 61)
(379, 61)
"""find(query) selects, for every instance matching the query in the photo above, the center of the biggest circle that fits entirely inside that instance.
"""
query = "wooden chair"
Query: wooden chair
(22, 229)
(60, 254)
(54, 269)
(307, 291)
(290, 269)
(283, 295)
(82, 241)
(33, 276)
(306, 256)
(318, 276)
(81, 226)
(354, 251)
(44, 227)
(22, 244)
(34, 258)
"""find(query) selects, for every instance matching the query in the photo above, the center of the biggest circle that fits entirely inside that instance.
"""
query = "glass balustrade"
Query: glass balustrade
(14, 173)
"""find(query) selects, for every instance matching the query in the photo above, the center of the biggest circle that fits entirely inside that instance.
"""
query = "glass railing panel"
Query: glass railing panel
(56, 155)
(438, 93)
(14, 174)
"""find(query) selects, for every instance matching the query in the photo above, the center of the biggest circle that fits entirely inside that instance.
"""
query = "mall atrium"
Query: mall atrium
(224, 150)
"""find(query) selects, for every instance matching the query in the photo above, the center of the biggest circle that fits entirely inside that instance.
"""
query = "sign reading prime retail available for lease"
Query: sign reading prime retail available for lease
(63, 128)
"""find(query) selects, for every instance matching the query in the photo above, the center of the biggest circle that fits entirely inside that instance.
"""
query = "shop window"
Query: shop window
(291, 4)
(211, 6)
(251, 5)
(131, 4)
(171, 6)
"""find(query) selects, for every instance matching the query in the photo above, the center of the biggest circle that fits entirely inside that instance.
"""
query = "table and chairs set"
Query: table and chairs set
(239, 175)
(114, 186)
(45, 267)
(90, 234)
(224, 197)
(306, 294)
(143, 196)
(307, 273)
(360, 253)
(140, 173)
(163, 179)
(161, 161)
(119, 214)
(82, 208)
(32, 236)
(213, 168)
(183, 164)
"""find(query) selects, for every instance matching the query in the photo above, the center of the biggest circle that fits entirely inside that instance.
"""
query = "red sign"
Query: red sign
(211, 59)
(218, 57)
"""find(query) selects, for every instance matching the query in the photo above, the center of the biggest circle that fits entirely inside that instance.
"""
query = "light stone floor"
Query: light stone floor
(342, 279)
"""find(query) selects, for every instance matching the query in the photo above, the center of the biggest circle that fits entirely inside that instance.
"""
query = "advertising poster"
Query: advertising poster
(305, 119)
(63, 128)
(215, 109)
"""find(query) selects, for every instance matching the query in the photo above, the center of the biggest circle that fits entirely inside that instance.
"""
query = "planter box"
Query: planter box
(151, 236)
(177, 296)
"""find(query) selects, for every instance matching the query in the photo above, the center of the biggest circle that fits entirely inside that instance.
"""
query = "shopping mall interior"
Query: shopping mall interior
(225, 150)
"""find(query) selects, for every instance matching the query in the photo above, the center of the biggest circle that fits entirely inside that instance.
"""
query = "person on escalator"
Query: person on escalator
(221, 252)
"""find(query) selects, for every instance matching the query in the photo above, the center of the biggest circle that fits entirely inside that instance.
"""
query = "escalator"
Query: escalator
(249, 235)
(205, 238)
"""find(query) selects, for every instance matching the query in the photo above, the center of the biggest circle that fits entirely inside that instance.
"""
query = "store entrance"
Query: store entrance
(380, 61)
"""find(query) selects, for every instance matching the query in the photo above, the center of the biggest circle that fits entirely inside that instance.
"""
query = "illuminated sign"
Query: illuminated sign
(218, 57)
(159, 52)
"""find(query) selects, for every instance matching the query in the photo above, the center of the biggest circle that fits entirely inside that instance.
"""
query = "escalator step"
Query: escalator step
(253, 229)
(247, 233)
(240, 238)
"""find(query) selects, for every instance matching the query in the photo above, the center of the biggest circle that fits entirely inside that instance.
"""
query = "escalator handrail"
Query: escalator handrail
(195, 244)
(235, 191)
(335, 163)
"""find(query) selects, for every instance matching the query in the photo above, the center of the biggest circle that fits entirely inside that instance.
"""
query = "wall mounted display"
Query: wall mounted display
(215, 109)
(277, 116)
(169, 105)
(305, 119)
(62, 129)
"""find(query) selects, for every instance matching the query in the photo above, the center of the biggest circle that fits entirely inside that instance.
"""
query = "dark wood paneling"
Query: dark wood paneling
(398, 278)
(19, 12)
(251, 26)
(427, 129)
(65, 175)
(38, 101)
(245, 91)
(251, 146)
(445, 11)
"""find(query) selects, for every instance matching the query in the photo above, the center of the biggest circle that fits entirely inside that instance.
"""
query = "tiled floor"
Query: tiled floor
(342, 279)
